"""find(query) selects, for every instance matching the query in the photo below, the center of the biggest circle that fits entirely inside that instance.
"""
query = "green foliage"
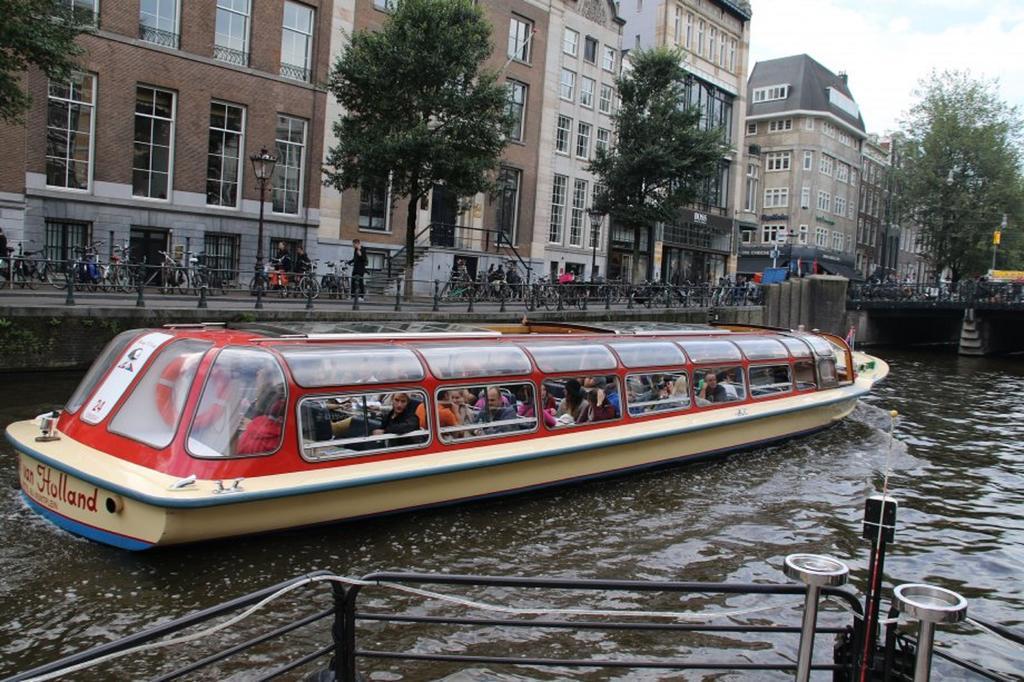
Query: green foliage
(38, 33)
(961, 171)
(419, 109)
(661, 158)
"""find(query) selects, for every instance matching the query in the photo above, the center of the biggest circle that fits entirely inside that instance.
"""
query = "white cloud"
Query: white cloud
(887, 46)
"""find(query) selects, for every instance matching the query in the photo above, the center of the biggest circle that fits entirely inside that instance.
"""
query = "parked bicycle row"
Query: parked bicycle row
(964, 292)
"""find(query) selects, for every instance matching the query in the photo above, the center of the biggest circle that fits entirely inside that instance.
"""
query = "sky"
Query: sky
(887, 46)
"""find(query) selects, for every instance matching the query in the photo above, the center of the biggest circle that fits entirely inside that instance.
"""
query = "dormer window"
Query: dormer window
(770, 93)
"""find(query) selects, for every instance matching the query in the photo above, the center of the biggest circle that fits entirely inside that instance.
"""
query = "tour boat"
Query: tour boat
(195, 432)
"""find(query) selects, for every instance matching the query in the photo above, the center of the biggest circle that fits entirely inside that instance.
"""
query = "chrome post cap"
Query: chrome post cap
(816, 569)
(930, 603)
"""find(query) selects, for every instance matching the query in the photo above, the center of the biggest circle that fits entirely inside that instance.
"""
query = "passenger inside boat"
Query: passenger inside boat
(574, 408)
(490, 410)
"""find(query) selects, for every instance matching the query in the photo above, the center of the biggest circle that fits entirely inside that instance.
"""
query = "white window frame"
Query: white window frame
(307, 66)
(824, 200)
(776, 197)
(302, 164)
(583, 130)
(753, 180)
(608, 59)
(809, 123)
(802, 234)
(571, 42)
(780, 125)
(775, 162)
(559, 191)
(605, 99)
(241, 154)
(246, 18)
(689, 30)
(805, 197)
(69, 155)
(751, 128)
(157, 27)
(773, 233)
(562, 143)
(826, 164)
(770, 93)
(839, 205)
(170, 151)
(520, 31)
(576, 218)
(511, 88)
(821, 237)
(567, 86)
(808, 160)
(603, 139)
(587, 87)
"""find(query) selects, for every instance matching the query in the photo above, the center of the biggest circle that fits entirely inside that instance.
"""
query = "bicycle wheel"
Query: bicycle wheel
(309, 287)
(31, 275)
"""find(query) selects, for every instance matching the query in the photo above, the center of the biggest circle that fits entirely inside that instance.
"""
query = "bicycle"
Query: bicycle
(117, 275)
(22, 269)
(336, 284)
(458, 290)
(173, 276)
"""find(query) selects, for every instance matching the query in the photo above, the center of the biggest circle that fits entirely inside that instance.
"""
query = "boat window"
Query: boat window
(571, 401)
(766, 380)
(319, 366)
(357, 424)
(152, 411)
(797, 347)
(553, 358)
(804, 372)
(242, 409)
(827, 372)
(761, 348)
(718, 385)
(99, 368)
(711, 351)
(820, 345)
(650, 354)
(661, 392)
(465, 362)
(485, 411)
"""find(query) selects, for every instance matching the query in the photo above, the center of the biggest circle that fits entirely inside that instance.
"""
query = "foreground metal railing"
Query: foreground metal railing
(468, 621)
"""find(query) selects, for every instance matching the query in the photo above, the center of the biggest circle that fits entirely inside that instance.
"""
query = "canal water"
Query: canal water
(956, 466)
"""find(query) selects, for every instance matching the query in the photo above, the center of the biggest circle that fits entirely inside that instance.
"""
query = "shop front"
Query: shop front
(696, 249)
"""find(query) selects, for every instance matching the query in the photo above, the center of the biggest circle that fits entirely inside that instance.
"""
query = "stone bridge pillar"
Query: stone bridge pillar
(971, 342)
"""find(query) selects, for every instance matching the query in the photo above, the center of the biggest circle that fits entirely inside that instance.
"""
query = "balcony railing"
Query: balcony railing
(226, 54)
(158, 37)
(295, 72)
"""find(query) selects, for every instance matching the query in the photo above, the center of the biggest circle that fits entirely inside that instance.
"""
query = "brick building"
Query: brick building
(149, 143)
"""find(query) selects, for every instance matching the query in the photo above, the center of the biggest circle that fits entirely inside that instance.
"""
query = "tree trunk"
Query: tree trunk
(410, 243)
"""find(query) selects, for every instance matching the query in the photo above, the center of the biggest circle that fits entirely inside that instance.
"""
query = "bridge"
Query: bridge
(982, 318)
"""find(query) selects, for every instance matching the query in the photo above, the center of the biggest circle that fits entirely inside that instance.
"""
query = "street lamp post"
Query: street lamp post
(595, 226)
(263, 168)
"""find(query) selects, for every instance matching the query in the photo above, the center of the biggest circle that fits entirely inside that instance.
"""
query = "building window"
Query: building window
(558, 189)
(297, 41)
(826, 164)
(223, 167)
(519, 33)
(778, 161)
(837, 240)
(808, 160)
(587, 86)
(770, 93)
(568, 86)
(780, 125)
(776, 197)
(747, 235)
(158, 22)
(608, 59)
(515, 108)
(508, 203)
(700, 37)
(750, 201)
(562, 133)
(604, 102)
(373, 208)
(840, 206)
(809, 123)
(603, 137)
(802, 234)
(732, 55)
(70, 124)
(677, 26)
(231, 35)
(64, 237)
(821, 237)
(590, 50)
(824, 200)
(843, 172)
(222, 254)
(805, 197)
(828, 129)
(579, 206)
(689, 30)
(571, 42)
(771, 234)
(154, 138)
(287, 180)
(752, 128)
(713, 45)
(583, 141)
(384, 5)
(595, 232)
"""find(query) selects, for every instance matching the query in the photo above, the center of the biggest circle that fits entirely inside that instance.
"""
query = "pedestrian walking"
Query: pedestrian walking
(358, 264)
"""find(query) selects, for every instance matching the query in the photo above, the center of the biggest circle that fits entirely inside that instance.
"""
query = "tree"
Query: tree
(661, 158)
(961, 170)
(419, 108)
(37, 33)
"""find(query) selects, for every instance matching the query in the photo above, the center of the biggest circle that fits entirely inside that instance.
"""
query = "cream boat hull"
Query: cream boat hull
(107, 499)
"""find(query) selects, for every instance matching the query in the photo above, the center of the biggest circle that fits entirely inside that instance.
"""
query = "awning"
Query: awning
(841, 269)
(750, 264)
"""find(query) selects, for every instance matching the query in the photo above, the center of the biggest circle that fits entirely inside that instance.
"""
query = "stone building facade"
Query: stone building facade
(807, 127)
(877, 238)
(148, 145)
(714, 39)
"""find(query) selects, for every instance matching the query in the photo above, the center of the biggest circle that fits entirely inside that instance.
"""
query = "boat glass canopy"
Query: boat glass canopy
(711, 350)
(820, 345)
(151, 413)
(335, 365)
(797, 348)
(103, 363)
(553, 358)
(460, 362)
(761, 348)
(648, 353)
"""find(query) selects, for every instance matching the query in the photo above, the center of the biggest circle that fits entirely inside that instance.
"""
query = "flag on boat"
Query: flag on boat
(851, 337)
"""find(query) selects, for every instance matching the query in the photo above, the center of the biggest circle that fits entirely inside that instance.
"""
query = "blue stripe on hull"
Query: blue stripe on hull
(85, 530)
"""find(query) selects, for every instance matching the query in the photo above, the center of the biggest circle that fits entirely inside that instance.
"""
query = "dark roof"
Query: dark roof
(738, 8)
(808, 82)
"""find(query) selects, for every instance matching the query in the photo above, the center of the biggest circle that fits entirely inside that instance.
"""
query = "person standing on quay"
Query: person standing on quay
(358, 263)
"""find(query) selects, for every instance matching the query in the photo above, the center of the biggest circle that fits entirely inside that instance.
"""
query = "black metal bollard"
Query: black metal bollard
(503, 294)
(202, 297)
(355, 299)
(70, 300)
(472, 296)
(309, 298)
(607, 297)
(668, 296)
(140, 299)
(259, 292)
(558, 291)
(585, 292)
(398, 295)
(629, 298)
(437, 289)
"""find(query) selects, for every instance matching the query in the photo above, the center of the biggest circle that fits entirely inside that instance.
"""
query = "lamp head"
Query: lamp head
(263, 164)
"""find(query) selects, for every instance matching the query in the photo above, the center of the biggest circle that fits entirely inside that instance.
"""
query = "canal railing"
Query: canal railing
(966, 294)
(464, 622)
